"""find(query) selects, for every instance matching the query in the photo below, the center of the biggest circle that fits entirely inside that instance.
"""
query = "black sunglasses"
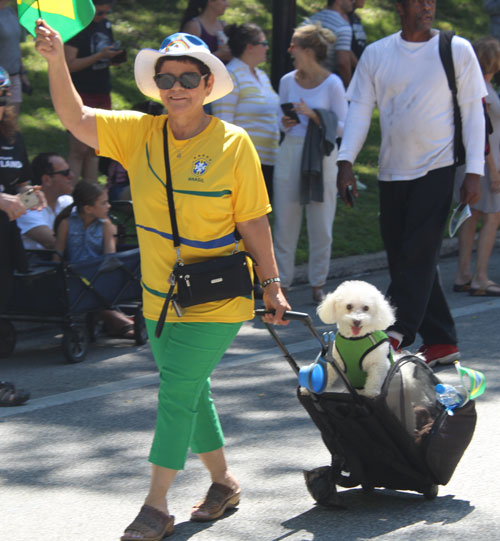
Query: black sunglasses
(63, 172)
(189, 79)
(265, 43)
(103, 12)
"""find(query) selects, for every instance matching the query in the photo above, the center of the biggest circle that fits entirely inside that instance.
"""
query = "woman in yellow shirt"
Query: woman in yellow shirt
(218, 186)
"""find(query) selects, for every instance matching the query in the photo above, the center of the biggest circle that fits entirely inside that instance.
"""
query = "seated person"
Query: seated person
(52, 173)
(83, 231)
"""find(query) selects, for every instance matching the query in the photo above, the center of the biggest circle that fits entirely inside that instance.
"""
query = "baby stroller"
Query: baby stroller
(70, 294)
(403, 439)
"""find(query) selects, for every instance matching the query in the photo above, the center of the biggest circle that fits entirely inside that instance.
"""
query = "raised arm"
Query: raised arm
(75, 117)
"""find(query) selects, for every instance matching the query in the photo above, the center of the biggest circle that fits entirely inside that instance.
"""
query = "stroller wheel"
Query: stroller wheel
(431, 492)
(141, 335)
(75, 343)
(7, 338)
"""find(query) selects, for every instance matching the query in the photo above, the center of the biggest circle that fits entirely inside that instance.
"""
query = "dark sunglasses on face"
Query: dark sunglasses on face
(265, 43)
(189, 79)
(63, 172)
(103, 12)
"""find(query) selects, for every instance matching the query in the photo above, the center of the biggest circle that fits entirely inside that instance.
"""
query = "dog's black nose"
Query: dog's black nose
(356, 323)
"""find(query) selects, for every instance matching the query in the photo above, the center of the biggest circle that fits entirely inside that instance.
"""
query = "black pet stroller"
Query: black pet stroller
(70, 295)
(403, 439)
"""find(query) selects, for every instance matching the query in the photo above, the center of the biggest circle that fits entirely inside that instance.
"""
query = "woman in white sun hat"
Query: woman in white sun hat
(218, 186)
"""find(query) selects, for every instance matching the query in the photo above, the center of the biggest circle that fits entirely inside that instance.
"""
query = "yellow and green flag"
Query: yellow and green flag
(68, 17)
(474, 381)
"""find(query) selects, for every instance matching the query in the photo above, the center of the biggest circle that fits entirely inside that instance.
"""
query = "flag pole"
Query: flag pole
(38, 6)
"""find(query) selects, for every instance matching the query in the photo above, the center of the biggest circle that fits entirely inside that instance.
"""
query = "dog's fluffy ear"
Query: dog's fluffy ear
(326, 310)
(385, 313)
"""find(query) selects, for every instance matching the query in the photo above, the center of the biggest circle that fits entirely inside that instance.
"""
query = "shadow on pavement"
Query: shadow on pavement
(371, 515)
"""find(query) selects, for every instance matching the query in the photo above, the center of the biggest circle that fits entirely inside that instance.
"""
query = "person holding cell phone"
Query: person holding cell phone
(308, 94)
(89, 56)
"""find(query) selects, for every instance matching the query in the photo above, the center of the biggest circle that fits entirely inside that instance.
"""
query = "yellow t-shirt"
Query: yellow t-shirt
(217, 181)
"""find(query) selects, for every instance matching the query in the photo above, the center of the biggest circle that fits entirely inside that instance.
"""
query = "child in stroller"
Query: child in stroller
(83, 230)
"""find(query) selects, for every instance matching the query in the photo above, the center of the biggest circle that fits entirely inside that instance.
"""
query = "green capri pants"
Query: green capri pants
(186, 354)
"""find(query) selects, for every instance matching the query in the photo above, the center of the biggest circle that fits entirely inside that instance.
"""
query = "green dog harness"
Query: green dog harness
(353, 350)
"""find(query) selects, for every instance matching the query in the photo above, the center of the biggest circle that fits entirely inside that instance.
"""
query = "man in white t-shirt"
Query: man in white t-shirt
(403, 76)
(335, 17)
(53, 174)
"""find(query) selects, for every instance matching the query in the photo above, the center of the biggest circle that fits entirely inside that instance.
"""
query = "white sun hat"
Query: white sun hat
(180, 44)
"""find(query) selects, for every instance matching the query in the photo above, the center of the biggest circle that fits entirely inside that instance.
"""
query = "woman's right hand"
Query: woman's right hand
(48, 41)
(288, 122)
(109, 52)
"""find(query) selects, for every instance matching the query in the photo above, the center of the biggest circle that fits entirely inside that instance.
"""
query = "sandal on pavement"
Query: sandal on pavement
(150, 524)
(219, 498)
(461, 288)
(491, 290)
(10, 396)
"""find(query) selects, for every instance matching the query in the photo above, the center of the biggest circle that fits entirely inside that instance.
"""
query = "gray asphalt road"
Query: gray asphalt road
(73, 460)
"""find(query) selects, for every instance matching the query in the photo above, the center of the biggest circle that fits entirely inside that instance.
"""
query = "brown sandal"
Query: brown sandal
(151, 524)
(219, 498)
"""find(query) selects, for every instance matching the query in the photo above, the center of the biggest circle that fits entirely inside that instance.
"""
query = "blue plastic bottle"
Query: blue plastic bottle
(450, 397)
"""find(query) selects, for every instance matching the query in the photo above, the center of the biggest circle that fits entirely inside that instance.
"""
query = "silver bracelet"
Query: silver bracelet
(270, 281)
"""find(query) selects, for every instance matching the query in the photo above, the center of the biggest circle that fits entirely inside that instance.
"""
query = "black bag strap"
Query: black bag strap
(170, 192)
(445, 37)
(175, 231)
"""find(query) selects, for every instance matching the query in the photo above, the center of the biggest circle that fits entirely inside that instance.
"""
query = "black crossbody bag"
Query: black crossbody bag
(207, 281)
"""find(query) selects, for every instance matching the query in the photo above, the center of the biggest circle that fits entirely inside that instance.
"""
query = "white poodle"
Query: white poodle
(361, 347)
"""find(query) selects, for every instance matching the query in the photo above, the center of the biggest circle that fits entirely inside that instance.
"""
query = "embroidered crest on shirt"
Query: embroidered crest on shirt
(200, 165)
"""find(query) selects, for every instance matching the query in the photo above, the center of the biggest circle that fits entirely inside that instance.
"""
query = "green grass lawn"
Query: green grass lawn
(145, 23)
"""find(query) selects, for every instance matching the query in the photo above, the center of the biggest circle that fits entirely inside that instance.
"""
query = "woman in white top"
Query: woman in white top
(253, 104)
(310, 86)
(487, 209)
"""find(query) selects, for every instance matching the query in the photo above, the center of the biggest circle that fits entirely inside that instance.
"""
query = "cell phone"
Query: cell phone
(29, 199)
(288, 111)
(116, 45)
(348, 196)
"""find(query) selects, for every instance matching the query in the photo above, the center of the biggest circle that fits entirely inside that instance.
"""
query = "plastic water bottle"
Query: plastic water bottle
(450, 396)
(222, 39)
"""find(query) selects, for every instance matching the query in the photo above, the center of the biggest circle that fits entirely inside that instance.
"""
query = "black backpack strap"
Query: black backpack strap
(445, 37)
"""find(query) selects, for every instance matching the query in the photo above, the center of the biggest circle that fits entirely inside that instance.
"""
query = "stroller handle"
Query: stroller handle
(288, 315)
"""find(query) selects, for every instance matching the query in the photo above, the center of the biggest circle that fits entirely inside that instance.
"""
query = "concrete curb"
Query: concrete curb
(351, 266)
